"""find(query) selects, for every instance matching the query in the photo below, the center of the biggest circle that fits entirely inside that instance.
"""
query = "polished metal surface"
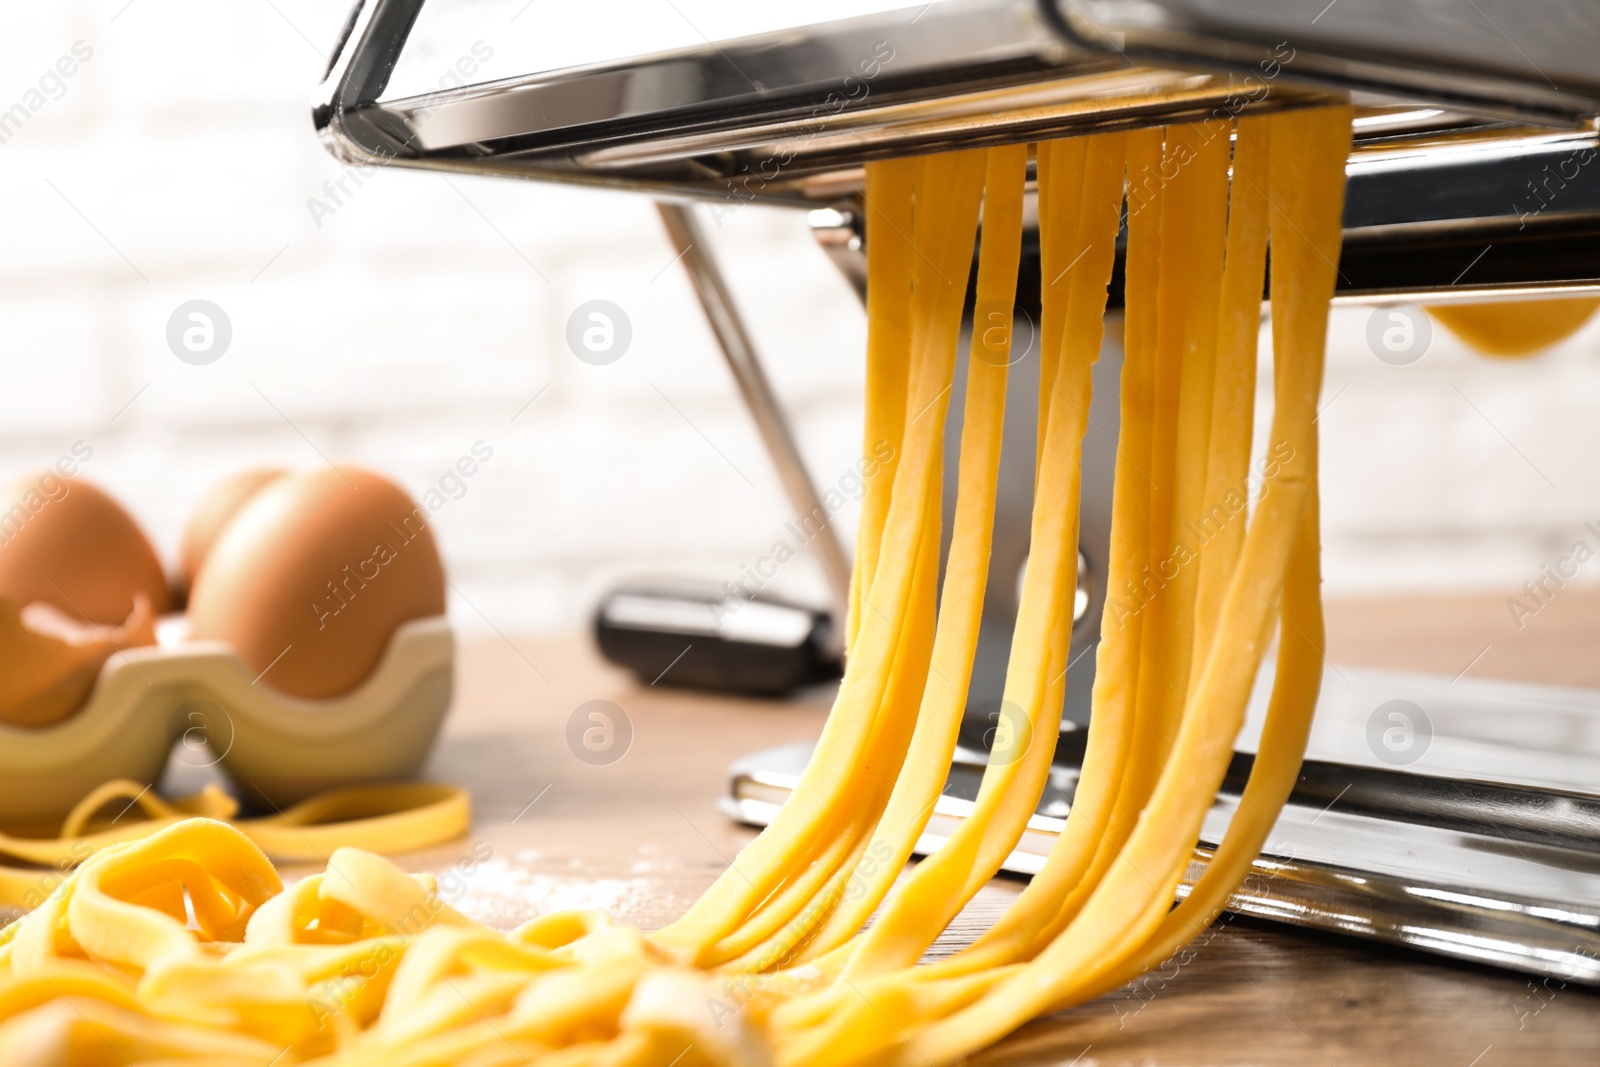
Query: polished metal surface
(1475, 848)
(791, 114)
(836, 232)
(694, 252)
(786, 74)
(1508, 57)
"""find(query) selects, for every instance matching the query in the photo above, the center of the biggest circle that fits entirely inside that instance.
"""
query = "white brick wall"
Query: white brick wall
(1458, 470)
(396, 333)
(409, 324)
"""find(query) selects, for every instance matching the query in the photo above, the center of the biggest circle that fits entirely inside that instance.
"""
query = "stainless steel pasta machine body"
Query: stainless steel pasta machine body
(1472, 178)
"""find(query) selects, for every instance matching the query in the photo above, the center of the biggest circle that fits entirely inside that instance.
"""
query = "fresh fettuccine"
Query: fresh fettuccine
(177, 943)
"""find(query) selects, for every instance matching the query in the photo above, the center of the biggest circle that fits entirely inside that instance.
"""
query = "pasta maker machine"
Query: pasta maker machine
(1472, 178)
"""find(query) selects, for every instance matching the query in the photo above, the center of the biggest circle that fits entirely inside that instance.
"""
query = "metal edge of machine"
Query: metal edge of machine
(1340, 879)
(1450, 52)
(779, 117)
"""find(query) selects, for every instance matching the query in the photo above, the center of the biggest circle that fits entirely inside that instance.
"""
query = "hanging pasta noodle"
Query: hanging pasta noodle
(1516, 328)
(177, 942)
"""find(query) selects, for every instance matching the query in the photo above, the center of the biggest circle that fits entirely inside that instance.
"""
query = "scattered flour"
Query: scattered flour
(506, 893)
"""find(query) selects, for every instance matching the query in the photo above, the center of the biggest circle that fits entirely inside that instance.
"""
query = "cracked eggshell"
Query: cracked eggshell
(66, 543)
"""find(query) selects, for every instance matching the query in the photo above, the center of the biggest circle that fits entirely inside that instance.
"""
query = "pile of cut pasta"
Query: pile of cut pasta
(183, 945)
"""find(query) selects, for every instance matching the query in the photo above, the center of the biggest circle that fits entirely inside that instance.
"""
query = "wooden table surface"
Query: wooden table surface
(641, 837)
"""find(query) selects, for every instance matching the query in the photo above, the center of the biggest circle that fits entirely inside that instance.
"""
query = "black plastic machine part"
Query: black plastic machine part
(696, 636)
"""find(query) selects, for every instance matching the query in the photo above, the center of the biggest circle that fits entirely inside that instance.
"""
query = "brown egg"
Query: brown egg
(63, 541)
(313, 576)
(216, 510)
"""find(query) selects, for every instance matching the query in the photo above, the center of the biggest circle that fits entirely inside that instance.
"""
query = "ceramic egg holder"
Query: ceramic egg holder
(279, 749)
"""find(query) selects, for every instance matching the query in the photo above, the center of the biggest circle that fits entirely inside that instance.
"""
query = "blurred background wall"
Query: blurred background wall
(395, 319)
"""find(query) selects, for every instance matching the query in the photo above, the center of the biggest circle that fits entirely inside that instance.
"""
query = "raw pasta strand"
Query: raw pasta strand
(888, 210)
(1191, 262)
(1222, 518)
(1197, 389)
(1060, 171)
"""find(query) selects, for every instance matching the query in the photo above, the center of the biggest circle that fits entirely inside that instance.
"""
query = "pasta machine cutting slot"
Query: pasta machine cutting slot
(1471, 179)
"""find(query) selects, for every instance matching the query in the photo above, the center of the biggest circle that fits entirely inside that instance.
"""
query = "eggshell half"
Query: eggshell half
(49, 661)
(65, 542)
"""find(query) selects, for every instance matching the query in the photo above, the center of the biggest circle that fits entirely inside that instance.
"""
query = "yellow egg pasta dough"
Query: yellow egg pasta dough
(1516, 328)
(181, 945)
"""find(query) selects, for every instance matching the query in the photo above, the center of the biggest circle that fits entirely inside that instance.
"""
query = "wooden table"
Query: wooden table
(641, 838)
